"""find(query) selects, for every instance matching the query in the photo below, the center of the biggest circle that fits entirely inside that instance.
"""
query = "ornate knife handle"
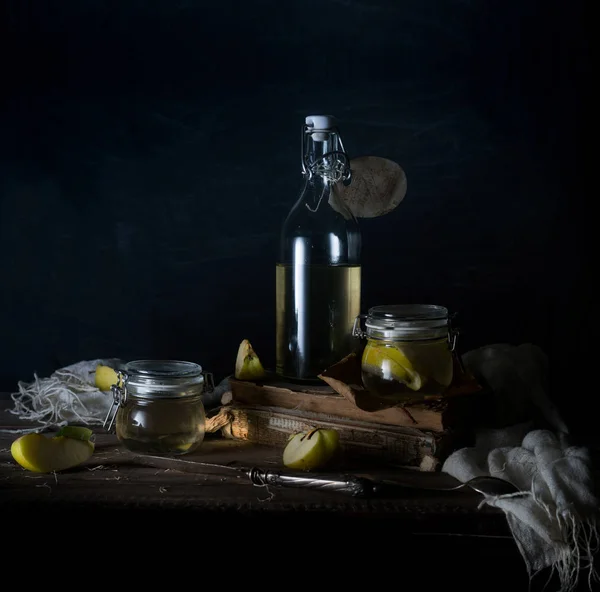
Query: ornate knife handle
(348, 485)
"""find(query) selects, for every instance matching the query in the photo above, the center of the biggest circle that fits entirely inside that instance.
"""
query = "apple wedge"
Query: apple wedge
(311, 450)
(247, 364)
(42, 454)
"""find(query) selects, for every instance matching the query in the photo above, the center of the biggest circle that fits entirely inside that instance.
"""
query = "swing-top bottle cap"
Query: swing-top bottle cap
(320, 123)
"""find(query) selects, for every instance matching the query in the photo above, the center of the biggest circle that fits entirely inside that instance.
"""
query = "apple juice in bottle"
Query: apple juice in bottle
(318, 273)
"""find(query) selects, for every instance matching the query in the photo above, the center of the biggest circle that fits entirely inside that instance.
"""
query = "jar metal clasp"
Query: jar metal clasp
(209, 382)
(452, 332)
(119, 392)
(452, 339)
(357, 330)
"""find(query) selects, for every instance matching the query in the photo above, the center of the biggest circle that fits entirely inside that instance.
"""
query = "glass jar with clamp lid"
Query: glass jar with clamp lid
(158, 407)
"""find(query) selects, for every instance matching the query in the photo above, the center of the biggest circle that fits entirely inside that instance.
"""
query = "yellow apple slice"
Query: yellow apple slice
(105, 377)
(41, 454)
(247, 364)
(310, 450)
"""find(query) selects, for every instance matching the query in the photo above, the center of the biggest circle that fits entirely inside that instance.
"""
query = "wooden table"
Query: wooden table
(113, 489)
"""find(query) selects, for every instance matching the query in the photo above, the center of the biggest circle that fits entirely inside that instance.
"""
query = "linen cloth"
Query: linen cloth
(554, 517)
(69, 395)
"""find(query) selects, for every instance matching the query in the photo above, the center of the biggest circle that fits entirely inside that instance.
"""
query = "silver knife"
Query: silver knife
(362, 486)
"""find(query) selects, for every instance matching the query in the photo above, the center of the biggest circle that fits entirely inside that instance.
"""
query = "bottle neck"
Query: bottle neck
(320, 229)
(323, 157)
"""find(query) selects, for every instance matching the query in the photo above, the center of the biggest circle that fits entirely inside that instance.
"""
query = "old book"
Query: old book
(438, 415)
(401, 446)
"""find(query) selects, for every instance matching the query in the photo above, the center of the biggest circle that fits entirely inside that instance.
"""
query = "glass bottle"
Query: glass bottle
(318, 273)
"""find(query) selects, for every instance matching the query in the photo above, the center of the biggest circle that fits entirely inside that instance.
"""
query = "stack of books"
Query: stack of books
(418, 436)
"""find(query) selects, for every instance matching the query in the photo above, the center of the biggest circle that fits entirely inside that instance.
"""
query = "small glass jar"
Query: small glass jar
(159, 408)
(408, 354)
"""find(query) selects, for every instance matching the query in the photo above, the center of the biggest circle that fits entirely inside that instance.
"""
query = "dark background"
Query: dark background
(150, 151)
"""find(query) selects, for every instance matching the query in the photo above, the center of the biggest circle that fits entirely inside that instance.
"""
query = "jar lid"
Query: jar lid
(163, 378)
(408, 321)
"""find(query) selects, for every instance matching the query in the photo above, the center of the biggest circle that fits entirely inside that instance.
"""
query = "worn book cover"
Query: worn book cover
(438, 415)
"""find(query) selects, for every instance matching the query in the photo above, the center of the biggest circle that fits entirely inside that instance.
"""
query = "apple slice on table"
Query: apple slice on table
(312, 449)
(42, 454)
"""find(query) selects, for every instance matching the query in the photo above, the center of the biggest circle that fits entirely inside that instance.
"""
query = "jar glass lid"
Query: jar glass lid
(163, 378)
(163, 368)
(419, 321)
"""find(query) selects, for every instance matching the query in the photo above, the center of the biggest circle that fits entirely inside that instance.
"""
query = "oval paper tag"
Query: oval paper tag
(378, 186)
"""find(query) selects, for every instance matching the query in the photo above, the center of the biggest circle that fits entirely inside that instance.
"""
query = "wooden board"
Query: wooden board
(113, 475)
(113, 480)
